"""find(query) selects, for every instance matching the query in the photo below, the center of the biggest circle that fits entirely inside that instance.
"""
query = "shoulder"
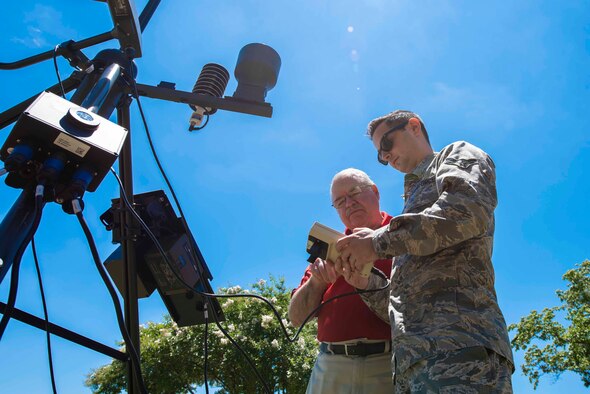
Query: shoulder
(386, 218)
(462, 151)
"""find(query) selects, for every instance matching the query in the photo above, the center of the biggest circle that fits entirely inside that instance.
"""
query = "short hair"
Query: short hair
(360, 176)
(393, 119)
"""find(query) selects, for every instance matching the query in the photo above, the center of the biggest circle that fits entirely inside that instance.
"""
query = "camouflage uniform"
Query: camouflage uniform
(472, 370)
(442, 296)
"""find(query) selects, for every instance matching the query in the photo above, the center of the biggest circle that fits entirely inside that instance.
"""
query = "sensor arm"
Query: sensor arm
(201, 100)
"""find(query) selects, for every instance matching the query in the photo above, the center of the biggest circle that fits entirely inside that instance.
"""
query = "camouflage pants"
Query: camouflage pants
(474, 370)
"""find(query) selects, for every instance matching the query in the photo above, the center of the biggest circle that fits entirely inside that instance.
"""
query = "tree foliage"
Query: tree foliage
(565, 347)
(172, 357)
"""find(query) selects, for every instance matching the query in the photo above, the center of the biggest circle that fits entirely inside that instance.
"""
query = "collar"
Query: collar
(421, 168)
(385, 219)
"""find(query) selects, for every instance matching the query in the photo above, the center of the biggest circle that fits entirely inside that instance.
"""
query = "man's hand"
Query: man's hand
(323, 271)
(356, 250)
(310, 294)
(350, 275)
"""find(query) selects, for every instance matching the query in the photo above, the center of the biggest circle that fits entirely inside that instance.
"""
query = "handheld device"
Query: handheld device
(321, 243)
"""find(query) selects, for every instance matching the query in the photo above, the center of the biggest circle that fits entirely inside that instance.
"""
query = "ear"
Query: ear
(376, 191)
(415, 126)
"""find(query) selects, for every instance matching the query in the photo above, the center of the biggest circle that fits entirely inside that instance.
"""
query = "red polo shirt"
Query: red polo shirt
(349, 318)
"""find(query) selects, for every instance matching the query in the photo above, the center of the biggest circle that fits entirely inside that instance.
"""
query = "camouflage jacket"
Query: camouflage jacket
(442, 294)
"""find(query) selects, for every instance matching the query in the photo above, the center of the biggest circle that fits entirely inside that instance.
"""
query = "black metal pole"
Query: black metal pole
(15, 227)
(64, 333)
(128, 234)
(147, 13)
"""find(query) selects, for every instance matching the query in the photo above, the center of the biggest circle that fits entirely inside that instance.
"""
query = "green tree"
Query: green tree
(565, 347)
(172, 357)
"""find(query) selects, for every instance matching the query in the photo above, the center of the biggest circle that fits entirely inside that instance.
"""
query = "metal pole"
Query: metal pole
(14, 228)
(128, 235)
(147, 13)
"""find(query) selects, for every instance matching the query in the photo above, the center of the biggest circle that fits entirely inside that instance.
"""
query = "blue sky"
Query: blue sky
(510, 77)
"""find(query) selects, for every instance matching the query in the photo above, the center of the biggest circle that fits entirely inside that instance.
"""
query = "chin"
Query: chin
(358, 222)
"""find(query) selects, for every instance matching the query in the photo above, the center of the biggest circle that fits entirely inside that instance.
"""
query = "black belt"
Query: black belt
(356, 349)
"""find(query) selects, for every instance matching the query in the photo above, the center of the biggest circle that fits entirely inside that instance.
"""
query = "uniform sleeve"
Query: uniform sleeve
(378, 299)
(465, 181)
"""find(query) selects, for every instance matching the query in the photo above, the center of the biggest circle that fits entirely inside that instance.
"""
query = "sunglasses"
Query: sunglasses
(385, 145)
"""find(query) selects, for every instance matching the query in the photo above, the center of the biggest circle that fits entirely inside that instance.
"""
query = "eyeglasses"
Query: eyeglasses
(353, 193)
(385, 145)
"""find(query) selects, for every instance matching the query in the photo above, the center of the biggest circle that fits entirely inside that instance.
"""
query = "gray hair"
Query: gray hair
(360, 176)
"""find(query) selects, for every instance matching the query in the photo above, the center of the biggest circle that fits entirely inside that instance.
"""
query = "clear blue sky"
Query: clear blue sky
(510, 77)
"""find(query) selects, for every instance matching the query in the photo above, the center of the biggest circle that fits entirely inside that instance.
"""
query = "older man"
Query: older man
(355, 346)
(448, 332)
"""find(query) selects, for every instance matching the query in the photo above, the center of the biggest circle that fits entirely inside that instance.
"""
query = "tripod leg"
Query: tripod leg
(26, 231)
(15, 227)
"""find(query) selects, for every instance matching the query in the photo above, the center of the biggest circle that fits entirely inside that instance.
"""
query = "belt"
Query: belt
(356, 349)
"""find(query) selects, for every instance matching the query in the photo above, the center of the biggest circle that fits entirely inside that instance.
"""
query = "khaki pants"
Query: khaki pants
(341, 374)
(474, 370)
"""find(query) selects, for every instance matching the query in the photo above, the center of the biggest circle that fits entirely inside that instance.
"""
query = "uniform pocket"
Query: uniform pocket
(431, 309)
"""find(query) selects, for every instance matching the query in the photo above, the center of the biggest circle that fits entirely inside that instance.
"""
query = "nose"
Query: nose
(349, 201)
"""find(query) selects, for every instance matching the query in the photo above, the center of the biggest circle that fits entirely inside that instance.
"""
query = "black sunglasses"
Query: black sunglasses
(385, 145)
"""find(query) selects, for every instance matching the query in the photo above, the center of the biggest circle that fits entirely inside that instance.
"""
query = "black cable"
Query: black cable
(103, 274)
(206, 350)
(187, 230)
(207, 295)
(184, 224)
(200, 127)
(183, 221)
(63, 92)
(153, 149)
(17, 260)
(244, 354)
(45, 314)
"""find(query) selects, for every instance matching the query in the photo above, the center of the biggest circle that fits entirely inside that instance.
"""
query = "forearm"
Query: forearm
(377, 301)
(305, 300)
(432, 230)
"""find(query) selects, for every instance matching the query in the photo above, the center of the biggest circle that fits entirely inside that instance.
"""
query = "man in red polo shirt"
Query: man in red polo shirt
(355, 344)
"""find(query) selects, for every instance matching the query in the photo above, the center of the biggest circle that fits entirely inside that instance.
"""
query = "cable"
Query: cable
(187, 230)
(207, 295)
(183, 221)
(153, 149)
(205, 345)
(17, 260)
(184, 224)
(46, 315)
(103, 274)
(191, 128)
(244, 354)
(63, 92)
